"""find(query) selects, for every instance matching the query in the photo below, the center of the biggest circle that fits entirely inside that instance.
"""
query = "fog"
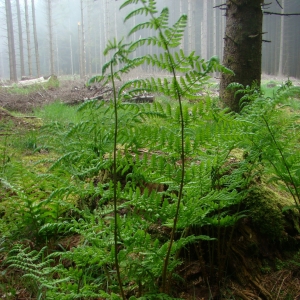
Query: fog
(74, 52)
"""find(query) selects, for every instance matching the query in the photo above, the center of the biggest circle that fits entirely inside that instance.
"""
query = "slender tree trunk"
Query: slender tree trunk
(223, 25)
(11, 42)
(22, 65)
(57, 55)
(100, 39)
(71, 48)
(82, 41)
(281, 46)
(242, 50)
(80, 51)
(214, 28)
(181, 13)
(50, 30)
(190, 25)
(28, 39)
(89, 34)
(36, 46)
(204, 27)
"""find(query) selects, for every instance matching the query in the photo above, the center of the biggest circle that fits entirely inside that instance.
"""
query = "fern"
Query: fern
(275, 138)
(138, 184)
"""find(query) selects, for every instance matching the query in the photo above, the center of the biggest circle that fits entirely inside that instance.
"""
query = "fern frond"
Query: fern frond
(175, 34)
(145, 9)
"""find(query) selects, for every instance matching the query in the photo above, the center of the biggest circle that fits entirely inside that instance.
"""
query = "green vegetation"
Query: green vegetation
(116, 200)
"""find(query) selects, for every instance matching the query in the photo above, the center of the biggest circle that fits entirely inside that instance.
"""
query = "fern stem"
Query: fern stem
(182, 157)
(115, 183)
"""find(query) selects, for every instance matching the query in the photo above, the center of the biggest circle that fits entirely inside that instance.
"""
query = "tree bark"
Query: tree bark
(11, 42)
(242, 49)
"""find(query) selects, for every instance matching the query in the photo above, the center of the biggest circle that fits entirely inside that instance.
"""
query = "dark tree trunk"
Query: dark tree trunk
(242, 50)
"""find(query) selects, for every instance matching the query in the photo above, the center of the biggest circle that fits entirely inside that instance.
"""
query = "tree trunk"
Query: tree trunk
(22, 65)
(11, 42)
(281, 47)
(190, 27)
(71, 48)
(28, 39)
(49, 13)
(82, 42)
(36, 46)
(242, 50)
(214, 52)
(181, 13)
(80, 51)
(89, 35)
(204, 29)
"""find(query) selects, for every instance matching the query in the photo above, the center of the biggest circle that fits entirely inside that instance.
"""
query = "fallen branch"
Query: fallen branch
(141, 99)
(79, 101)
(29, 82)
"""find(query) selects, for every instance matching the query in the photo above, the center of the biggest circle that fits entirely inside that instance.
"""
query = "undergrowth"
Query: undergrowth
(129, 196)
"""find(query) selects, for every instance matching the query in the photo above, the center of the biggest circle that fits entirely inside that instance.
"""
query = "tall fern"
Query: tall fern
(195, 70)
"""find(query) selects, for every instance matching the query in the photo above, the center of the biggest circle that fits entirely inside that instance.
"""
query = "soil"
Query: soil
(69, 91)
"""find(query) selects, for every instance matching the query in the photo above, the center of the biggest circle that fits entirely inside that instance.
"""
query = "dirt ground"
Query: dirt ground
(69, 91)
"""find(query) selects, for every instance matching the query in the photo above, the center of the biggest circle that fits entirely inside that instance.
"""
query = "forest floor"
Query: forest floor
(74, 92)
(273, 271)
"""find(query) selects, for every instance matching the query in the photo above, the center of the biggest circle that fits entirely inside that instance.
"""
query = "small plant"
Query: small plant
(275, 137)
(250, 93)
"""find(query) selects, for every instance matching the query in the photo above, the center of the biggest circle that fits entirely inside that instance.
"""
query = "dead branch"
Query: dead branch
(141, 99)
(279, 4)
(280, 14)
(224, 4)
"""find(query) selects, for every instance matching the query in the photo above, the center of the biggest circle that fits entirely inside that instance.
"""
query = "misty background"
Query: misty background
(72, 34)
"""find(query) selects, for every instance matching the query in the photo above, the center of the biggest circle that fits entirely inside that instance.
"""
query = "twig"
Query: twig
(280, 14)
(224, 4)
(276, 282)
(281, 285)
(279, 4)
(265, 4)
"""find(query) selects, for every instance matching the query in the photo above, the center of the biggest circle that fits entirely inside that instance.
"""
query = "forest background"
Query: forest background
(72, 34)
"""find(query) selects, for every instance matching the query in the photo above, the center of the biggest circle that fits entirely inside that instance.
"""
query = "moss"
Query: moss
(265, 208)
